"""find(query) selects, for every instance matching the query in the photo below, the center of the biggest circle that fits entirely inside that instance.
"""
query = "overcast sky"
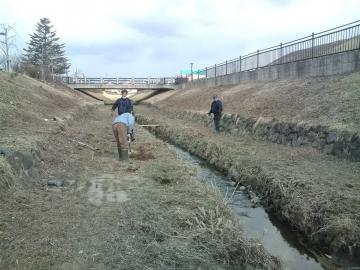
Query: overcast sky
(160, 37)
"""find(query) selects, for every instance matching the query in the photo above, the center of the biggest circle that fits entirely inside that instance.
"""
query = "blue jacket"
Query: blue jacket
(127, 119)
(124, 105)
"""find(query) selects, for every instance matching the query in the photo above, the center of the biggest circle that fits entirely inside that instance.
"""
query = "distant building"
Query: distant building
(196, 73)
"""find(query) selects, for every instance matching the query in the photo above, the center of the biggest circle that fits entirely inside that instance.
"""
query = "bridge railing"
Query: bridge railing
(117, 81)
(340, 39)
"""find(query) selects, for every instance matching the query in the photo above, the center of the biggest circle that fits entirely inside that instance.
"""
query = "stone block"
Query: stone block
(331, 137)
(55, 182)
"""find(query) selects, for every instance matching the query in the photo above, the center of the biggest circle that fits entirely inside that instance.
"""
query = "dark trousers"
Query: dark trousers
(217, 117)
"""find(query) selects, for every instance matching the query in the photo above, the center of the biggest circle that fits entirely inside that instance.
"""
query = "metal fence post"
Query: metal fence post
(215, 70)
(240, 64)
(257, 59)
(226, 65)
(312, 45)
(206, 72)
(281, 53)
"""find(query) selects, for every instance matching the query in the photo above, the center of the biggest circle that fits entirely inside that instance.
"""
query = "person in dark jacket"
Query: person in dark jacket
(124, 105)
(216, 110)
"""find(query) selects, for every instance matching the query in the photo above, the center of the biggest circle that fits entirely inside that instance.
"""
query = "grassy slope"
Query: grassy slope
(333, 101)
(28, 106)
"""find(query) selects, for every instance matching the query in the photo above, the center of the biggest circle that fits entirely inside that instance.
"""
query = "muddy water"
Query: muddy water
(256, 223)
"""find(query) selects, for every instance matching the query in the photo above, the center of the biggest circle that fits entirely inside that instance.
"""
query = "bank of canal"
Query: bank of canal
(278, 239)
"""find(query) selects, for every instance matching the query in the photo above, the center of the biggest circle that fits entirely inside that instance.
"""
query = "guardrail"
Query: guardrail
(117, 81)
(340, 39)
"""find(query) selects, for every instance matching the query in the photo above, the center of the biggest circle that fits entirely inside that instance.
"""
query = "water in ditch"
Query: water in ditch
(277, 239)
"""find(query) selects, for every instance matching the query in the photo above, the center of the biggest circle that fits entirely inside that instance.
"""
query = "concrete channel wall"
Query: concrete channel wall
(339, 63)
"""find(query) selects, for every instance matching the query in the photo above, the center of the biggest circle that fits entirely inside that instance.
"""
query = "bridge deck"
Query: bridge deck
(119, 86)
(118, 83)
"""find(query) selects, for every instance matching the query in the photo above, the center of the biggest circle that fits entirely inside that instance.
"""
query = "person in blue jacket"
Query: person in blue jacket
(123, 125)
(124, 105)
(216, 109)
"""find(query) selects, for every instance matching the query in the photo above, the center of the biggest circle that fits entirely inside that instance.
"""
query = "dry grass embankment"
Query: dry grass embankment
(28, 108)
(332, 101)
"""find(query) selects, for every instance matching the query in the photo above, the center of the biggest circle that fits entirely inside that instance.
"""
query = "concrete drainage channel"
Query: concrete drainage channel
(276, 237)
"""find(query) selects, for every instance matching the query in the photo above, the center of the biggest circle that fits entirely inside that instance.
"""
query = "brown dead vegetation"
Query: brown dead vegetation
(329, 101)
(7, 177)
(316, 194)
(164, 220)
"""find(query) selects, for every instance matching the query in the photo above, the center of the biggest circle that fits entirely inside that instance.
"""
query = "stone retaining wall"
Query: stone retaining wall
(342, 144)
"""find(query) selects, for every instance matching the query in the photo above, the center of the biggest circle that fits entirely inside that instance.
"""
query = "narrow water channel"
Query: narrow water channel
(277, 239)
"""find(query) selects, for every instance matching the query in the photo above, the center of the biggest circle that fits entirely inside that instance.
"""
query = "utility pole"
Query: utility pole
(191, 68)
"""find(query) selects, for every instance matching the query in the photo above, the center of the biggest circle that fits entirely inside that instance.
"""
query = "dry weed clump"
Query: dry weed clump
(143, 153)
(7, 177)
(341, 232)
(201, 231)
(214, 231)
(305, 208)
(171, 172)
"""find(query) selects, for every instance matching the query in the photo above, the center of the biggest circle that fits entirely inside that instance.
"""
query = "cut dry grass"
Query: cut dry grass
(201, 227)
(7, 177)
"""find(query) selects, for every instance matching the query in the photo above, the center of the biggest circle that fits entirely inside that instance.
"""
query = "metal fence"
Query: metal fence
(340, 39)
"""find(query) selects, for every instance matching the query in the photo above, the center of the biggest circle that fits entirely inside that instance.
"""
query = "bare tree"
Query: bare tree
(8, 34)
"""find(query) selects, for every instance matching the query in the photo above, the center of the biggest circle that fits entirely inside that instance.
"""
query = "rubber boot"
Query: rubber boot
(123, 154)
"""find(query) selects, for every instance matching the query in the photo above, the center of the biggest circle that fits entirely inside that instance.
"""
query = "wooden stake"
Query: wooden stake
(85, 145)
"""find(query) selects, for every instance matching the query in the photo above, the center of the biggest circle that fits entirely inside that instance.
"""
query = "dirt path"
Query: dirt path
(316, 193)
(150, 213)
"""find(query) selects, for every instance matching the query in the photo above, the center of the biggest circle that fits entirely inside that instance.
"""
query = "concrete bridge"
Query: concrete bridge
(119, 83)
